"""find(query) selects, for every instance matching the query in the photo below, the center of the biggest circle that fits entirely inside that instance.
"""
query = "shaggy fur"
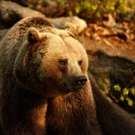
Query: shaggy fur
(33, 101)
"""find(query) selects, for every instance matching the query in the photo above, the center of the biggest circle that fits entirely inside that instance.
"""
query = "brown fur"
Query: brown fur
(27, 106)
(68, 114)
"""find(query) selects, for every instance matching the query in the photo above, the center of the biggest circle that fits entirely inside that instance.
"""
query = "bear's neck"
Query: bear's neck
(27, 111)
(73, 114)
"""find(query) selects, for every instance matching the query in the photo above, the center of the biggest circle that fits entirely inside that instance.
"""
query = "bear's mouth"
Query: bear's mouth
(65, 85)
(74, 84)
(71, 88)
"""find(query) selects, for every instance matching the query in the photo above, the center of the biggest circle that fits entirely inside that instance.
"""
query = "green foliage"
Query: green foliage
(62, 2)
(117, 88)
(124, 97)
(101, 84)
(94, 9)
(85, 7)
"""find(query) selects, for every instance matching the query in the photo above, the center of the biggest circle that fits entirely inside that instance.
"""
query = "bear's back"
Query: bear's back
(12, 41)
(15, 35)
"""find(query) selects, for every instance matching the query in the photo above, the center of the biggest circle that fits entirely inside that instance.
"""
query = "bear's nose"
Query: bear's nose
(80, 81)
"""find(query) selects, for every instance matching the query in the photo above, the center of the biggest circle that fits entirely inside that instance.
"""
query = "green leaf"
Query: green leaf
(77, 9)
(62, 2)
(129, 102)
(121, 98)
(125, 91)
(117, 87)
(132, 90)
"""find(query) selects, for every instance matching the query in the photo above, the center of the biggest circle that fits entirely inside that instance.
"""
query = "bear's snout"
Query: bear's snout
(74, 83)
(79, 82)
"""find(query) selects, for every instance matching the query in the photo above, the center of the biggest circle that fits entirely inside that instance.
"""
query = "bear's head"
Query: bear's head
(51, 62)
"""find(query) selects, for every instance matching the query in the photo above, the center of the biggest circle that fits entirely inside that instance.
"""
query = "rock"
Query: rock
(11, 12)
(73, 24)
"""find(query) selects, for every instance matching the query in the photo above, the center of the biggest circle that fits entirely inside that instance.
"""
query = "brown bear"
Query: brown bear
(44, 85)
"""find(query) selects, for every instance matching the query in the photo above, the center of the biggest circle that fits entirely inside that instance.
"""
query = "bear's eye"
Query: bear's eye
(63, 62)
(80, 62)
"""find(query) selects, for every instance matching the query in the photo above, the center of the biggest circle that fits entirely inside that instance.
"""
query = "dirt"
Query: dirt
(110, 47)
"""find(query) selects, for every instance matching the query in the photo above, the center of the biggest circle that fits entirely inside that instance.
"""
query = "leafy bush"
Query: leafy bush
(95, 8)
(124, 97)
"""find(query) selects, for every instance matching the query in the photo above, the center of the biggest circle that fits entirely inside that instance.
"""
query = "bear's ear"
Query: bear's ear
(33, 35)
